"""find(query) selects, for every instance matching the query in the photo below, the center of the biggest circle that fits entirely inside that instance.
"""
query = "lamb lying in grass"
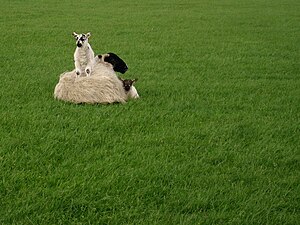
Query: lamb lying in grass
(130, 90)
(103, 86)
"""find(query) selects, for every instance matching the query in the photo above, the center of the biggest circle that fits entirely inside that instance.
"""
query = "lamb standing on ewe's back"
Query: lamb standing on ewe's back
(84, 54)
(103, 86)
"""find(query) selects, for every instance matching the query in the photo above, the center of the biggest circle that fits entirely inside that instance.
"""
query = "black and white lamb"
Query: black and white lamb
(130, 90)
(84, 54)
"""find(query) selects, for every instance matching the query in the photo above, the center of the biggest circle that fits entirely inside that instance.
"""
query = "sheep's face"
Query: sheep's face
(81, 39)
(127, 83)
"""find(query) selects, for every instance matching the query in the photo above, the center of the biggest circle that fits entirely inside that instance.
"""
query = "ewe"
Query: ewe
(103, 86)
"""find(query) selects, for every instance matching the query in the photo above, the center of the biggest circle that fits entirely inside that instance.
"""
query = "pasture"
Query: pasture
(214, 138)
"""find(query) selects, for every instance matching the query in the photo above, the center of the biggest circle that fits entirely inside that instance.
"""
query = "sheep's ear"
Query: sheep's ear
(120, 79)
(134, 80)
(88, 35)
(74, 34)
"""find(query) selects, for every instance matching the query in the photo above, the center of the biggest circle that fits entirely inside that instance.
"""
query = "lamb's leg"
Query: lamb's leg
(77, 68)
(78, 72)
(88, 71)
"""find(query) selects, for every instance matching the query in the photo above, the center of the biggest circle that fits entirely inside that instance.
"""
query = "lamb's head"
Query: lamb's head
(127, 83)
(81, 39)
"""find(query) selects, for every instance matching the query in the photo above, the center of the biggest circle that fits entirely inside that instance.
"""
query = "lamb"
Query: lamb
(84, 54)
(130, 90)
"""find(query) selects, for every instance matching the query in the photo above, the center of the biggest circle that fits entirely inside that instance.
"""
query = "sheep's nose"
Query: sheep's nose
(79, 45)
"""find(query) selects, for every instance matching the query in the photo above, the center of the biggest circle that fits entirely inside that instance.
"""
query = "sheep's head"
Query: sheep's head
(81, 39)
(127, 83)
(118, 64)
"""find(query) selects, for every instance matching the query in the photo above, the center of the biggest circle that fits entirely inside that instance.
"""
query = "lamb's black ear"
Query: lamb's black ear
(120, 79)
(118, 64)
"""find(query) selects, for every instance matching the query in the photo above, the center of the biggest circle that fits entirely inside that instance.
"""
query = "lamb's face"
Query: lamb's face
(127, 83)
(81, 39)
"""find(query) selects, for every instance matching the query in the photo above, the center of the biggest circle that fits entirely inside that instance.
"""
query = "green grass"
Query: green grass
(214, 138)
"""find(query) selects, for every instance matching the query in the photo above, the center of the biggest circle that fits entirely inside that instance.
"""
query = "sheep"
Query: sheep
(84, 54)
(103, 86)
(130, 90)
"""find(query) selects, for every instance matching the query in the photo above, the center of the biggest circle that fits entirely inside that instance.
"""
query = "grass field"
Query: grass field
(214, 138)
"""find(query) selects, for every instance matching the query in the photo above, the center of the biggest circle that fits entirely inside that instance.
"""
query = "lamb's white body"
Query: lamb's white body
(132, 93)
(84, 59)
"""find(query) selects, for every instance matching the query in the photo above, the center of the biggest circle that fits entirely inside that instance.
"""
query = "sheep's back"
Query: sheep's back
(103, 86)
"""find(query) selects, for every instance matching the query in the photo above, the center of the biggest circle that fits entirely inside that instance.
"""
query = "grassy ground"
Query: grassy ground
(214, 138)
